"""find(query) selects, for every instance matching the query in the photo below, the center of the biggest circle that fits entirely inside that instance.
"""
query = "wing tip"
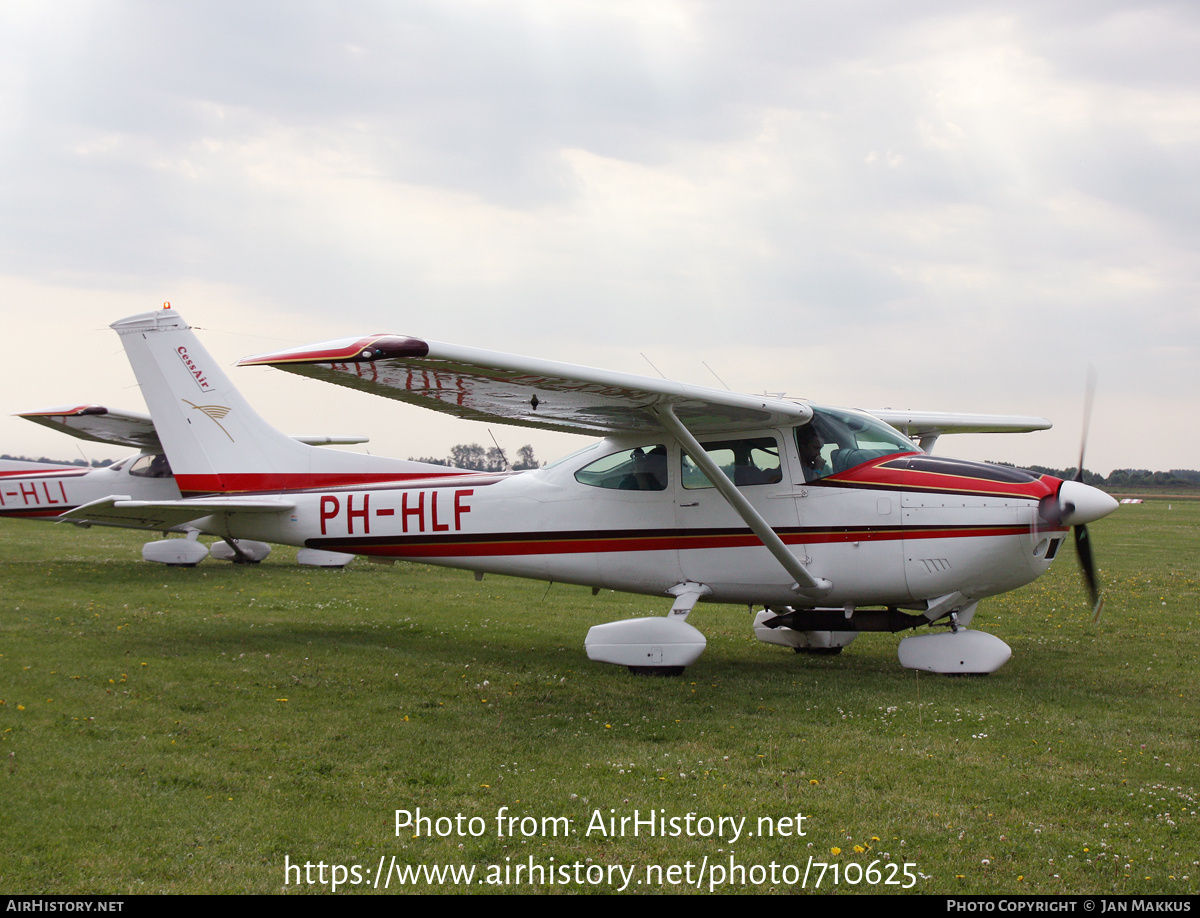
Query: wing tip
(356, 350)
(74, 411)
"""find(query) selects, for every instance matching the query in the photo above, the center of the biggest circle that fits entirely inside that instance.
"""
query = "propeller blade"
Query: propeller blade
(1083, 548)
(1088, 395)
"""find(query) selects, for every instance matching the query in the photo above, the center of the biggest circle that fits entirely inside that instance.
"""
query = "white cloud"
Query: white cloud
(933, 206)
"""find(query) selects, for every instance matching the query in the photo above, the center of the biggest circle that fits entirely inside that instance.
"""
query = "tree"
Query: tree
(475, 457)
(468, 456)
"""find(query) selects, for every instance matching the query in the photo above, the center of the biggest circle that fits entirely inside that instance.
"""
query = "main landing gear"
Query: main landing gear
(652, 646)
(190, 551)
(666, 646)
(955, 652)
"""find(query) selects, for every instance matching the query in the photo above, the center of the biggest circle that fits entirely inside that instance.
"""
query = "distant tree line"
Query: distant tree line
(463, 456)
(474, 456)
(1126, 479)
(82, 463)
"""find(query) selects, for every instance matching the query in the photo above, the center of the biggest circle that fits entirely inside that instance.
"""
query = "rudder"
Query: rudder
(215, 441)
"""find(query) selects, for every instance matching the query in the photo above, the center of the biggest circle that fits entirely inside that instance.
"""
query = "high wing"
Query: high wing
(927, 426)
(504, 388)
(489, 386)
(322, 440)
(95, 422)
(131, 428)
(166, 514)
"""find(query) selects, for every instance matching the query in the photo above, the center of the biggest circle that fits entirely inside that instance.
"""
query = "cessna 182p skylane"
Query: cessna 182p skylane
(832, 521)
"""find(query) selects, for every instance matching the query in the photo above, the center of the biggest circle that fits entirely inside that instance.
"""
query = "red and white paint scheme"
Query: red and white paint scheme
(43, 490)
(40, 490)
(829, 519)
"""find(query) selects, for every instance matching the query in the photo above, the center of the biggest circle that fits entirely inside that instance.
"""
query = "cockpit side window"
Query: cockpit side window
(151, 467)
(834, 441)
(643, 468)
(751, 461)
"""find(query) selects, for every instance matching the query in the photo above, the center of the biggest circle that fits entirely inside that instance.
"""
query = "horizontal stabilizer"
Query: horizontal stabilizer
(131, 428)
(322, 440)
(165, 514)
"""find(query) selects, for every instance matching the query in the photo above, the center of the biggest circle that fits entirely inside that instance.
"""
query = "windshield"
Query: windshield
(838, 439)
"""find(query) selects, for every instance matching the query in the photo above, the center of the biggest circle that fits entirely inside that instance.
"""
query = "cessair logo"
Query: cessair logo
(198, 375)
(215, 413)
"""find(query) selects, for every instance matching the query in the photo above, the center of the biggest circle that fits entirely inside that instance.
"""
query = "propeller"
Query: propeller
(1077, 504)
(1083, 548)
(1083, 543)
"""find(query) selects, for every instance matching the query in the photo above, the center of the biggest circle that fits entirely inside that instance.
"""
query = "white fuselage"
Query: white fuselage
(33, 490)
(878, 540)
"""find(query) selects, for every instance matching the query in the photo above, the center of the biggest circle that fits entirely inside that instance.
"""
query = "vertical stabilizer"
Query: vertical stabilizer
(214, 440)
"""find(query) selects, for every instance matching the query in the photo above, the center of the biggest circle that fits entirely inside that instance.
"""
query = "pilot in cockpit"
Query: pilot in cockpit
(649, 470)
(809, 442)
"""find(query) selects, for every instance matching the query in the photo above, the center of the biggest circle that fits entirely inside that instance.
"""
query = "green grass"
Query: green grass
(169, 730)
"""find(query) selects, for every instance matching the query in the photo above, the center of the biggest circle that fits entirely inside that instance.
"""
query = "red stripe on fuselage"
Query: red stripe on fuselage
(67, 472)
(558, 543)
(878, 473)
(273, 482)
(33, 514)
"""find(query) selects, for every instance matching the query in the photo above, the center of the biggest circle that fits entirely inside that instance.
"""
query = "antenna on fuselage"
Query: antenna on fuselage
(652, 366)
(500, 449)
(715, 376)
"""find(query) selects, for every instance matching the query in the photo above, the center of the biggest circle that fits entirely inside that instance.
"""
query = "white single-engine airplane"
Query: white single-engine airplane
(45, 490)
(829, 519)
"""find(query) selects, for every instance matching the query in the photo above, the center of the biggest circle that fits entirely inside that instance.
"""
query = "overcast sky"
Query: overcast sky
(938, 205)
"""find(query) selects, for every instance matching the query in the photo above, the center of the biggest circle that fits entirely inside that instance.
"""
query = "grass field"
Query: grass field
(194, 731)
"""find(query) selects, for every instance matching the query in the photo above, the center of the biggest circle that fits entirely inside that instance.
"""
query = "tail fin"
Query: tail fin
(214, 440)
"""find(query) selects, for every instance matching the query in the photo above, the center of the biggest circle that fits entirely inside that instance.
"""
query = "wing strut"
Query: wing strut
(806, 583)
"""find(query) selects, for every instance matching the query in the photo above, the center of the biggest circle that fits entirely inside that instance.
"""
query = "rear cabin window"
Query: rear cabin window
(151, 467)
(643, 468)
(752, 461)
